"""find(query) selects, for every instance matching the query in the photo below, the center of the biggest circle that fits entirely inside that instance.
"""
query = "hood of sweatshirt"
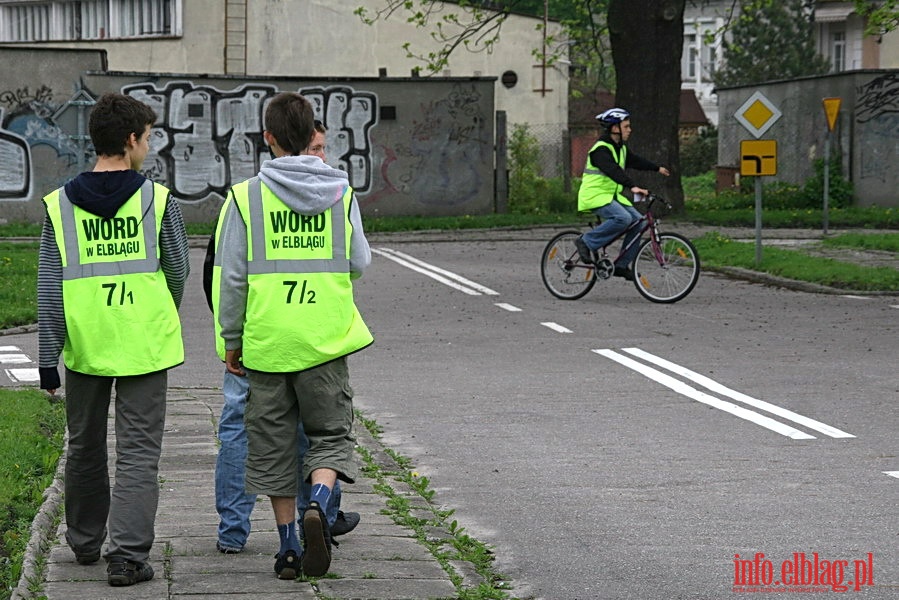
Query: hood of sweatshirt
(304, 183)
(103, 193)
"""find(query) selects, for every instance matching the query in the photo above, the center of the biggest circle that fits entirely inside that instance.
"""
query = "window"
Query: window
(22, 21)
(838, 51)
(25, 22)
(711, 61)
(137, 18)
(690, 58)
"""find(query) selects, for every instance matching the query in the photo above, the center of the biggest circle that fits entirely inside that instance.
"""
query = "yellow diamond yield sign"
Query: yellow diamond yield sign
(757, 114)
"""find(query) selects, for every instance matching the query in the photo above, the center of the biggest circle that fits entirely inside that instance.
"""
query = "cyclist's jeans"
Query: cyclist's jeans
(233, 504)
(615, 219)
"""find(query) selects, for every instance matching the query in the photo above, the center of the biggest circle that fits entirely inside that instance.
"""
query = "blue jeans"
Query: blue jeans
(233, 504)
(615, 219)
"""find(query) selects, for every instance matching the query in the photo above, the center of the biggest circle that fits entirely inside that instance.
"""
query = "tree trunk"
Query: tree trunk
(647, 42)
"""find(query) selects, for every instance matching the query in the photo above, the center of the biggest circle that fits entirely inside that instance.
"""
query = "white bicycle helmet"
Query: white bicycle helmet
(613, 116)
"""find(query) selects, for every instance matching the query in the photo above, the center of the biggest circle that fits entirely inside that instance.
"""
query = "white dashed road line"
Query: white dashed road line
(508, 307)
(556, 327)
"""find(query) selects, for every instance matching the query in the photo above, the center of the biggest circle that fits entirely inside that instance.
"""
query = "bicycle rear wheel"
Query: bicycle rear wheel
(668, 273)
(563, 272)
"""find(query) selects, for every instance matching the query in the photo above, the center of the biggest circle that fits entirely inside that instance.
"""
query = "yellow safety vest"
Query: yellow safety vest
(597, 188)
(300, 309)
(121, 319)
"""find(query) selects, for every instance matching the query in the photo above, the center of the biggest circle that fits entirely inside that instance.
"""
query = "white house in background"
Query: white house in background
(703, 23)
(309, 38)
(839, 31)
(840, 34)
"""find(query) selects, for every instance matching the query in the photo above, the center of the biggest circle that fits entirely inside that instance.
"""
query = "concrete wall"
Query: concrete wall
(866, 132)
(410, 146)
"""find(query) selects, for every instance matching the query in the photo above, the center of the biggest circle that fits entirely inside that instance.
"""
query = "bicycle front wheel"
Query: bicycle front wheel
(668, 272)
(563, 272)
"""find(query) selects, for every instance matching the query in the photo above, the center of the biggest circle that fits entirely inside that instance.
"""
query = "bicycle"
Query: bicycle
(666, 268)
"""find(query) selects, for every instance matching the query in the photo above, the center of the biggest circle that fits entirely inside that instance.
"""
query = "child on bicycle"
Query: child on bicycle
(602, 185)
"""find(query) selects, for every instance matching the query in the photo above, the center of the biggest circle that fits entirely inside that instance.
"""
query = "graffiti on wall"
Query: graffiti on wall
(15, 176)
(349, 117)
(445, 151)
(25, 124)
(877, 115)
(205, 139)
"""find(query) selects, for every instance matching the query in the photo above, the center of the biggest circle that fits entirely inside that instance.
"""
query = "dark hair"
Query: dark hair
(114, 118)
(319, 127)
(289, 118)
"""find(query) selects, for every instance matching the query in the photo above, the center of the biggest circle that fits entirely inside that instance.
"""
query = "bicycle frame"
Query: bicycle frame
(646, 223)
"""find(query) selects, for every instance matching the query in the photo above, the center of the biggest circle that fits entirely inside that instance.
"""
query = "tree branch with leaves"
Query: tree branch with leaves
(882, 15)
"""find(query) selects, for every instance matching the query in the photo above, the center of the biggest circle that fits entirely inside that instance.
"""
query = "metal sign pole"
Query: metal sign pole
(758, 221)
(826, 177)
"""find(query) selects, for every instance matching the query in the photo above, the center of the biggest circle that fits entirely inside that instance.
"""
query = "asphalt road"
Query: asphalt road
(714, 427)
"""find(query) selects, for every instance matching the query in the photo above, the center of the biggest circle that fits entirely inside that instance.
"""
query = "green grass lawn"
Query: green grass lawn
(31, 442)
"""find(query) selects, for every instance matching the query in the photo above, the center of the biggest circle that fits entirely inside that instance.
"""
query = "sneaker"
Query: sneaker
(345, 523)
(317, 540)
(287, 565)
(227, 549)
(582, 250)
(127, 572)
(87, 558)
(624, 272)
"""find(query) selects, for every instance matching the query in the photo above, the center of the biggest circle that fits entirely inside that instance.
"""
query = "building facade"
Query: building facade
(292, 38)
(839, 32)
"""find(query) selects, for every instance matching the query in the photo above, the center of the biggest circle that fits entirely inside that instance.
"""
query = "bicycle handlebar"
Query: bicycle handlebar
(649, 199)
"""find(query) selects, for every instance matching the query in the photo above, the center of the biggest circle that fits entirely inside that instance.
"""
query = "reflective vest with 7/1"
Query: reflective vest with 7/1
(121, 319)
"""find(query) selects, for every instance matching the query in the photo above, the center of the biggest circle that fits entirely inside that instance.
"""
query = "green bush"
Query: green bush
(699, 154)
(524, 166)
(840, 192)
(529, 193)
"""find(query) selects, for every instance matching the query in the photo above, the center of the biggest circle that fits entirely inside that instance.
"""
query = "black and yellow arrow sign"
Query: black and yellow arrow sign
(758, 157)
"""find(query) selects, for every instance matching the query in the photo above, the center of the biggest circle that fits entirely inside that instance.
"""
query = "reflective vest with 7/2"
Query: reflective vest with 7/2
(300, 310)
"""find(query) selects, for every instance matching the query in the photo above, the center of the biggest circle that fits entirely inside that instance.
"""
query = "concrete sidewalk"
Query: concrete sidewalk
(378, 560)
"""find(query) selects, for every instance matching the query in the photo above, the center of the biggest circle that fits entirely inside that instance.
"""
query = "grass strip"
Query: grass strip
(716, 250)
(31, 440)
(410, 503)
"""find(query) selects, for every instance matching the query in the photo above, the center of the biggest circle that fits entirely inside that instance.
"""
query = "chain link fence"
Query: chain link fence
(553, 160)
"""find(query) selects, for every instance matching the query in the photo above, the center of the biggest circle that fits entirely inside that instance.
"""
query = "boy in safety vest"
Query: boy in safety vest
(111, 273)
(602, 185)
(233, 504)
(290, 241)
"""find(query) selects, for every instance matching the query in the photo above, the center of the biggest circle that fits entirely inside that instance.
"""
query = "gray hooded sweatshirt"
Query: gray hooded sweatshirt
(309, 187)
